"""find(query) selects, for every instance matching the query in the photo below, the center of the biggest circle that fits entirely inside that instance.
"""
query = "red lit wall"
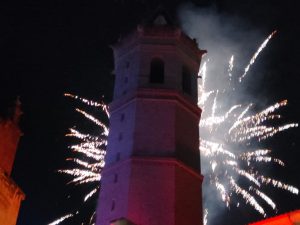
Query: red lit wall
(291, 218)
(9, 138)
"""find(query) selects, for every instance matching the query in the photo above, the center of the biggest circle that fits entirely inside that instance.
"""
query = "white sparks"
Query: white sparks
(264, 197)
(248, 197)
(61, 219)
(94, 191)
(252, 61)
(230, 67)
(205, 217)
(90, 152)
(228, 133)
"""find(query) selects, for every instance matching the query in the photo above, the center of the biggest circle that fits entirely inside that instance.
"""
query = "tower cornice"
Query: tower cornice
(154, 160)
(156, 94)
(153, 35)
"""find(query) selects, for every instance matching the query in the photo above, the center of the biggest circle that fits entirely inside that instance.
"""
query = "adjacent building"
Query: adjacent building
(10, 194)
(291, 218)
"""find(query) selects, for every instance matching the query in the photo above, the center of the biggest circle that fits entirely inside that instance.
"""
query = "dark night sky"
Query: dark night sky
(48, 48)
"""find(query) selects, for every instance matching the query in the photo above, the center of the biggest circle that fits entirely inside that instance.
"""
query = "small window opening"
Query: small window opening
(120, 136)
(122, 117)
(118, 156)
(115, 178)
(157, 72)
(186, 80)
(113, 205)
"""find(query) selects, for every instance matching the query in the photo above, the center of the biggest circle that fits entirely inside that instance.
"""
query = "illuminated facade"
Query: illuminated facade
(10, 194)
(291, 218)
(152, 174)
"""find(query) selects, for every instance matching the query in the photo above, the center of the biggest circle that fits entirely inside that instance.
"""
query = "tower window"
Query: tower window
(122, 117)
(157, 71)
(186, 80)
(115, 178)
(118, 156)
(113, 205)
(125, 79)
(120, 136)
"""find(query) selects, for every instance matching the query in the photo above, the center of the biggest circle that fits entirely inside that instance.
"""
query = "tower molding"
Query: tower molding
(157, 95)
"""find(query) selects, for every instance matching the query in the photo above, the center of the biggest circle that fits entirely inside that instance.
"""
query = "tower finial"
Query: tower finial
(160, 17)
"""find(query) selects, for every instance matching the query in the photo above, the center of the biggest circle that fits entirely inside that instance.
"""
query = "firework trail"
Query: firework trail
(205, 217)
(89, 154)
(252, 61)
(61, 219)
(227, 133)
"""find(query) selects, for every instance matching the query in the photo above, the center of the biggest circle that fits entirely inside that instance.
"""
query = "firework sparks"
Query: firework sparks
(247, 196)
(230, 67)
(226, 136)
(205, 217)
(89, 152)
(252, 61)
(264, 197)
(61, 219)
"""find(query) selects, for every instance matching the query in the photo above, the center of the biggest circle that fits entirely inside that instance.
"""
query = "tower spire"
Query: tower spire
(161, 17)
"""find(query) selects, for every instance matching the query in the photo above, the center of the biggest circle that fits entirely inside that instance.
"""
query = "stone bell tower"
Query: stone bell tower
(152, 173)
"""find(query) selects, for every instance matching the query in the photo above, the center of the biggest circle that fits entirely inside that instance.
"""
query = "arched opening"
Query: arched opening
(157, 71)
(186, 80)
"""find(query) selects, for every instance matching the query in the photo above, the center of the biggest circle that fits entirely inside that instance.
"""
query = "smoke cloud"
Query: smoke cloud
(222, 36)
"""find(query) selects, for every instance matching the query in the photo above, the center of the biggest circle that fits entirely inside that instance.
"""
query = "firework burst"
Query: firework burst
(89, 154)
(227, 133)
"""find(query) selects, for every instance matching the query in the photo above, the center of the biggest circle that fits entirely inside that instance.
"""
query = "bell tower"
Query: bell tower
(152, 173)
